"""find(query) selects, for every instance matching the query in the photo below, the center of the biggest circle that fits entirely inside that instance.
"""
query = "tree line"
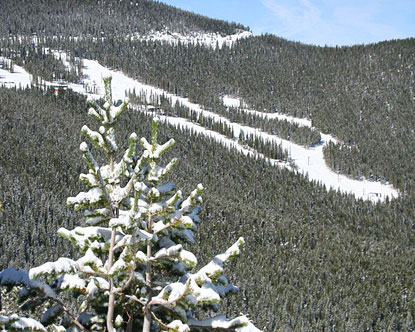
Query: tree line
(315, 259)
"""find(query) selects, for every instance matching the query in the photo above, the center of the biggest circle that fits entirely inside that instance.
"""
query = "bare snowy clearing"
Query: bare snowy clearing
(308, 161)
(212, 40)
(19, 78)
(229, 101)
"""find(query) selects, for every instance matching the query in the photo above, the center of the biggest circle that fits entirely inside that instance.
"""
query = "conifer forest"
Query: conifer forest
(311, 258)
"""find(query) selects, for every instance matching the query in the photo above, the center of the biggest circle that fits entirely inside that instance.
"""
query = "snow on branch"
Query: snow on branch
(62, 265)
(86, 153)
(215, 267)
(12, 278)
(96, 238)
(132, 244)
(17, 323)
(193, 199)
(95, 137)
(140, 237)
(157, 172)
(220, 323)
(91, 197)
(116, 111)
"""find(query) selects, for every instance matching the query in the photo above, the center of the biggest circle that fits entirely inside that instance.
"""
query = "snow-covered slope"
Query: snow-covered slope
(229, 101)
(19, 78)
(308, 161)
(207, 39)
(211, 40)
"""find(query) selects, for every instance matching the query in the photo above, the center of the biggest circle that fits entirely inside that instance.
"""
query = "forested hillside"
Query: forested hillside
(314, 259)
(97, 18)
(363, 94)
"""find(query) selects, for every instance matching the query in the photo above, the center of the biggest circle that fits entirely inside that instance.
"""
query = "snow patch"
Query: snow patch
(309, 161)
(21, 323)
(212, 40)
(18, 78)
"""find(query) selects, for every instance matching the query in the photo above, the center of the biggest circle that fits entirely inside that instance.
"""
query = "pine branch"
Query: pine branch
(161, 323)
(66, 310)
(133, 266)
(131, 297)
(154, 302)
(171, 224)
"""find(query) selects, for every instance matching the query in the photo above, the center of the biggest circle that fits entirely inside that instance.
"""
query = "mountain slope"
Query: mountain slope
(78, 18)
(310, 257)
(315, 259)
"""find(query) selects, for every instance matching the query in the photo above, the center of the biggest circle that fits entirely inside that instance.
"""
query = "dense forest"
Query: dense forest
(369, 109)
(315, 259)
(102, 18)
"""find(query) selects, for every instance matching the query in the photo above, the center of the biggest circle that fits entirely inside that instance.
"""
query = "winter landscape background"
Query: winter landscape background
(305, 151)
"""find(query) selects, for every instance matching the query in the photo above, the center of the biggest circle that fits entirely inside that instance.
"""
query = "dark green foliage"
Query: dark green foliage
(77, 18)
(36, 173)
(43, 65)
(362, 95)
(268, 149)
(313, 258)
(282, 128)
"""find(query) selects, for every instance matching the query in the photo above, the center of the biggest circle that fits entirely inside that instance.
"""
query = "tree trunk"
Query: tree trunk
(111, 299)
(147, 309)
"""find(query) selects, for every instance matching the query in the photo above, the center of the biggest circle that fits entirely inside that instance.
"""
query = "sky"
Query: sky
(317, 22)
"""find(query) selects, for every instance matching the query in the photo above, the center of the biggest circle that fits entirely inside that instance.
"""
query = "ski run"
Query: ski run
(308, 161)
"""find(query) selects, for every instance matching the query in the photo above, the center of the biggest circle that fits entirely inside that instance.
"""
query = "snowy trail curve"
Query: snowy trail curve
(309, 161)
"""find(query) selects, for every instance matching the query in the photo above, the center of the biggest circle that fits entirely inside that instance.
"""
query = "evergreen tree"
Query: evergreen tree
(134, 273)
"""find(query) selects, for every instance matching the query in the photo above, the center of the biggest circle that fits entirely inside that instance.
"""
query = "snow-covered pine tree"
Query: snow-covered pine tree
(134, 273)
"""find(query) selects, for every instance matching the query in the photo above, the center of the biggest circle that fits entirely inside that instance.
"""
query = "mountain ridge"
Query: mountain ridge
(315, 259)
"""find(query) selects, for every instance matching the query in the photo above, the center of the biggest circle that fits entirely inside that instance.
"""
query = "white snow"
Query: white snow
(179, 326)
(188, 258)
(62, 265)
(93, 196)
(298, 121)
(118, 266)
(21, 323)
(221, 322)
(141, 257)
(309, 161)
(43, 287)
(230, 101)
(90, 259)
(11, 276)
(207, 39)
(215, 267)
(87, 237)
(235, 102)
(212, 40)
(19, 78)
(71, 281)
